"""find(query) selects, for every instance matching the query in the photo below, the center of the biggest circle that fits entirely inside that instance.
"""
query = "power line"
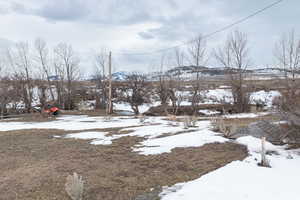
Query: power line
(212, 33)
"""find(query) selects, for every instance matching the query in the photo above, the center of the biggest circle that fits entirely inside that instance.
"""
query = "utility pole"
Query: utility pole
(110, 110)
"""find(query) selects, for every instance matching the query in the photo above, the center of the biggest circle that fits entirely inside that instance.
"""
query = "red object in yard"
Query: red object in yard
(53, 110)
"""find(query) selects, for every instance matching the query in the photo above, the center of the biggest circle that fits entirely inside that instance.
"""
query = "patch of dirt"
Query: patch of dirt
(38, 117)
(177, 133)
(187, 110)
(33, 117)
(243, 122)
(34, 165)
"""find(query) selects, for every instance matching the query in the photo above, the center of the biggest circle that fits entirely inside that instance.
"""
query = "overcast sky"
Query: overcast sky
(144, 25)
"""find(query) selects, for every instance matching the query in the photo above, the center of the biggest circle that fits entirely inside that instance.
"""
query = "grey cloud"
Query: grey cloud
(63, 10)
(179, 20)
(146, 35)
(4, 43)
(173, 4)
(113, 12)
(18, 7)
(3, 10)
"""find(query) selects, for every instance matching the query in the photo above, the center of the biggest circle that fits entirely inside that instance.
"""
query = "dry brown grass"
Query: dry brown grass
(243, 122)
(34, 165)
(229, 126)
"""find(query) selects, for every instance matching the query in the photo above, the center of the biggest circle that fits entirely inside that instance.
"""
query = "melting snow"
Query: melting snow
(166, 144)
(72, 122)
(241, 180)
(98, 138)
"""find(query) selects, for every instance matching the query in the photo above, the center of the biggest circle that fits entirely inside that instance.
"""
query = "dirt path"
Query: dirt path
(34, 165)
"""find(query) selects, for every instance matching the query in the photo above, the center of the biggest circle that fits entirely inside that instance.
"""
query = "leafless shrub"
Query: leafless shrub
(189, 121)
(171, 117)
(194, 121)
(216, 124)
(219, 125)
(107, 118)
(172, 120)
(136, 91)
(74, 186)
(142, 118)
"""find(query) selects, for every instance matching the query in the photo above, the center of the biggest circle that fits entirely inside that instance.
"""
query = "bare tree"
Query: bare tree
(178, 81)
(135, 91)
(8, 94)
(198, 57)
(235, 59)
(68, 65)
(287, 54)
(165, 87)
(162, 86)
(43, 60)
(3, 91)
(21, 61)
(100, 63)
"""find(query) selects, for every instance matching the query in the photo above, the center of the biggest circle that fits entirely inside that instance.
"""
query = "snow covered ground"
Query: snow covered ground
(246, 115)
(190, 139)
(98, 138)
(72, 122)
(241, 180)
(264, 97)
(161, 136)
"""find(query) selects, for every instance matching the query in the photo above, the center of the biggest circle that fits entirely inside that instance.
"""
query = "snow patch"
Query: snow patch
(98, 138)
(241, 180)
(196, 138)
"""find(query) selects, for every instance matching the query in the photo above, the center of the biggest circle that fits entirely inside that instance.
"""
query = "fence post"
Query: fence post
(264, 161)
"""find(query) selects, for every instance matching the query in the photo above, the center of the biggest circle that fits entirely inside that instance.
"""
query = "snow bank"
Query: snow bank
(254, 144)
(241, 180)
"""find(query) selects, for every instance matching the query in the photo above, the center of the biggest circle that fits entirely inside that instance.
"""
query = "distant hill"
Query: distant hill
(204, 71)
(119, 76)
(190, 72)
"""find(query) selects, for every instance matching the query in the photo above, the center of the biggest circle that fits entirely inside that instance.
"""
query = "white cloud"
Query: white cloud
(143, 26)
